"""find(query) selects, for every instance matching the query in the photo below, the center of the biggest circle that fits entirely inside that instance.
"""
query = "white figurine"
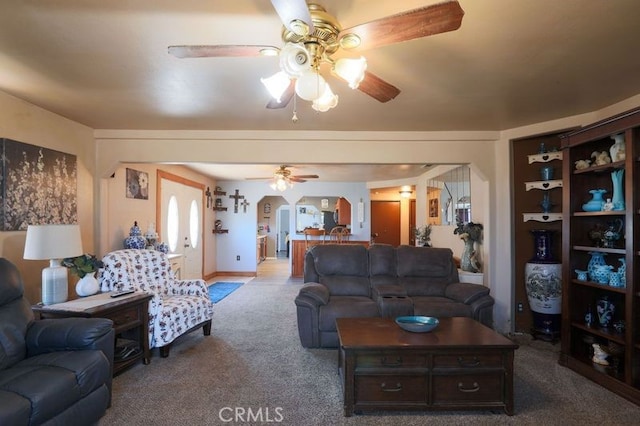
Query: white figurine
(599, 355)
(601, 157)
(583, 164)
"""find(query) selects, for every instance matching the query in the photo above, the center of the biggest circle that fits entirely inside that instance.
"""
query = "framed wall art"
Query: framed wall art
(38, 186)
(137, 184)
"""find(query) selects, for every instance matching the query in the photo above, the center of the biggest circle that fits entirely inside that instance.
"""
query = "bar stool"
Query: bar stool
(338, 235)
(313, 232)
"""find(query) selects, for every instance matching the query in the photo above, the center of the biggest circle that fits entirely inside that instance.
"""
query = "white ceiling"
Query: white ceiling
(512, 62)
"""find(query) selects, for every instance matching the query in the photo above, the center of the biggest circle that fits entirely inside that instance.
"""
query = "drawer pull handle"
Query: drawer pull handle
(472, 363)
(397, 363)
(384, 388)
(475, 388)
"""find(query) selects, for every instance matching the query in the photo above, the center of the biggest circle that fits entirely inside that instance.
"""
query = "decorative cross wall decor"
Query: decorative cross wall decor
(236, 197)
(244, 205)
(209, 198)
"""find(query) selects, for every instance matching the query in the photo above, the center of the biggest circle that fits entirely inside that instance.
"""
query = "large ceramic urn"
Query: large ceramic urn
(543, 283)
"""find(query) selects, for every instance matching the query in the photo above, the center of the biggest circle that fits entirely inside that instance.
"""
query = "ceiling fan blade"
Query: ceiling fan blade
(305, 176)
(296, 180)
(377, 88)
(422, 22)
(259, 178)
(285, 99)
(221, 50)
(291, 13)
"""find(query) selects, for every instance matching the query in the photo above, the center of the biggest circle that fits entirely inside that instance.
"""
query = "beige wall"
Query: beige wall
(487, 152)
(119, 212)
(27, 123)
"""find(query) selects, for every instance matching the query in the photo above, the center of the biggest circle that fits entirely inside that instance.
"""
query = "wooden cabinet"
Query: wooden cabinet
(529, 192)
(261, 248)
(582, 237)
(343, 207)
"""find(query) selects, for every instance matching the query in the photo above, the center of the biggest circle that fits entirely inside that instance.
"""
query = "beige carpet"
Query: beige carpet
(252, 370)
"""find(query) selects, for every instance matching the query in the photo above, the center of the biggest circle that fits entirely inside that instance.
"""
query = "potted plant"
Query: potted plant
(423, 236)
(85, 267)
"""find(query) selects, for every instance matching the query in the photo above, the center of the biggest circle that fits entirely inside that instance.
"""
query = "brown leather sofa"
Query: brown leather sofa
(349, 280)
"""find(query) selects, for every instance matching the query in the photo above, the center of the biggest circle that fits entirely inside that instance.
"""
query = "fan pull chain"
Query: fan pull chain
(295, 108)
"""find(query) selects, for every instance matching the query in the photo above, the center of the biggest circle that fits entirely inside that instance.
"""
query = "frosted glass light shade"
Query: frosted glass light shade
(310, 86)
(351, 70)
(327, 101)
(294, 59)
(276, 85)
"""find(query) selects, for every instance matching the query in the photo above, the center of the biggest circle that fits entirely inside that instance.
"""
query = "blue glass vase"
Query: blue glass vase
(618, 190)
(596, 202)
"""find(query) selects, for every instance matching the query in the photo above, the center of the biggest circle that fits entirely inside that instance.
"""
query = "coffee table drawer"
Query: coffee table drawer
(468, 388)
(381, 388)
(393, 360)
(466, 360)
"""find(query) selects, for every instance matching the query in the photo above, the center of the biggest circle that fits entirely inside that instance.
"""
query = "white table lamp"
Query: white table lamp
(53, 242)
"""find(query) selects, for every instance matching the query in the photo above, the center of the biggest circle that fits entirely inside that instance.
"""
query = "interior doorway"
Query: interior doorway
(271, 225)
(283, 216)
(385, 222)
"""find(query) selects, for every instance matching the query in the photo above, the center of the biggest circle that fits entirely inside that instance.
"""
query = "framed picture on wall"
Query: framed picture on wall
(38, 186)
(137, 184)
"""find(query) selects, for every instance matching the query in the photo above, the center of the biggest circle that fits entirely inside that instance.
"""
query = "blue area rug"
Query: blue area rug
(221, 289)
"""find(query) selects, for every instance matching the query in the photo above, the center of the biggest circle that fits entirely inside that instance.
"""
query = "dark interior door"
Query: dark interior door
(385, 222)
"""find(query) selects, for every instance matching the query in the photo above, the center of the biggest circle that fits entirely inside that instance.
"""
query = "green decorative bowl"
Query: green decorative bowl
(417, 323)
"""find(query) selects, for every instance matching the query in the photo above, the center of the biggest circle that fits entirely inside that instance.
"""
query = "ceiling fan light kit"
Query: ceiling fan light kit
(311, 35)
(283, 179)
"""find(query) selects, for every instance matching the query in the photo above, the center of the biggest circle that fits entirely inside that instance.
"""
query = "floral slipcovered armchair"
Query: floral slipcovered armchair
(177, 306)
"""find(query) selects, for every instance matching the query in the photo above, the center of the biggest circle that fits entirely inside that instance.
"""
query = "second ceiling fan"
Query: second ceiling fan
(311, 36)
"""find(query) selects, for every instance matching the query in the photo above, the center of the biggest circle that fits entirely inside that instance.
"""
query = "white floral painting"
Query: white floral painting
(137, 184)
(38, 186)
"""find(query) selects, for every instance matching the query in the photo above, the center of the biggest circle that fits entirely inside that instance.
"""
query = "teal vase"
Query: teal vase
(618, 191)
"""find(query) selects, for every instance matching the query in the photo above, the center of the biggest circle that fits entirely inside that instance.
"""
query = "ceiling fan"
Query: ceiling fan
(311, 36)
(283, 179)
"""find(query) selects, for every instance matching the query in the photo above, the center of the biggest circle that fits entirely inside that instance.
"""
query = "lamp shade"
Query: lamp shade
(310, 85)
(277, 84)
(352, 70)
(325, 102)
(52, 242)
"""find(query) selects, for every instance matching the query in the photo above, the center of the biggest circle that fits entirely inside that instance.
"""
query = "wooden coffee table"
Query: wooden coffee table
(462, 364)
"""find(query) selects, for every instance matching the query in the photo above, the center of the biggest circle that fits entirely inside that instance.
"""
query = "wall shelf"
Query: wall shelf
(545, 157)
(542, 217)
(543, 185)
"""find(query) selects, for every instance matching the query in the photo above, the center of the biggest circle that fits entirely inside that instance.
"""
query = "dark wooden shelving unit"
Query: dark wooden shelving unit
(622, 375)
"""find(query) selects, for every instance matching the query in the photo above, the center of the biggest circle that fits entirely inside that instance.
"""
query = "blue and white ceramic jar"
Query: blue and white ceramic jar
(135, 240)
(605, 310)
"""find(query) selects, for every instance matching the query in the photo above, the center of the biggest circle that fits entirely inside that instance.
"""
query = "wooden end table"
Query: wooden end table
(462, 364)
(129, 313)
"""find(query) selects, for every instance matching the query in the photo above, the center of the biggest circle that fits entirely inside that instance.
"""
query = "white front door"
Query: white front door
(182, 224)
